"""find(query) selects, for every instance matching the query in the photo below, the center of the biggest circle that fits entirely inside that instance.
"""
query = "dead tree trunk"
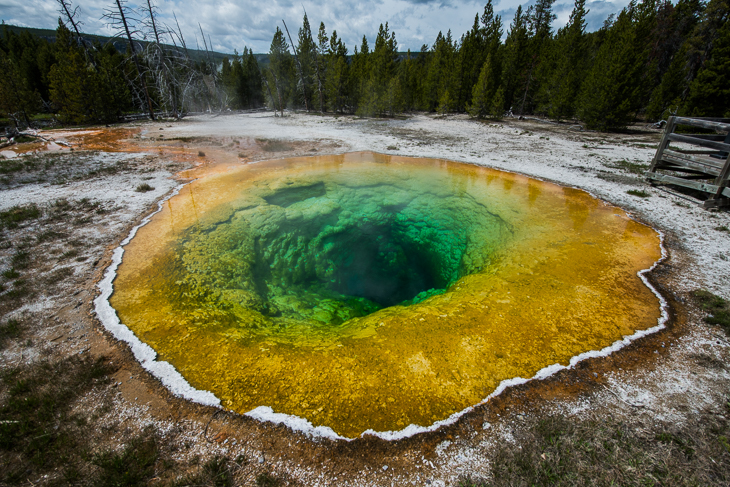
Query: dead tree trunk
(66, 9)
(319, 85)
(163, 61)
(136, 61)
(268, 88)
(299, 67)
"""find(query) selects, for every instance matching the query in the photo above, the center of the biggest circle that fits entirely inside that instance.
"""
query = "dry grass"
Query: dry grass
(273, 145)
(717, 307)
(143, 188)
(561, 451)
(639, 192)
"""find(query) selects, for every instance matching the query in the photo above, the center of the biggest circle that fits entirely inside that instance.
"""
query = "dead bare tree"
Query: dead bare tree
(159, 62)
(117, 18)
(190, 81)
(299, 67)
(70, 14)
(268, 88)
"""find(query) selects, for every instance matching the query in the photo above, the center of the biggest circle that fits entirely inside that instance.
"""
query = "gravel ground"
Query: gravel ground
(663, 379)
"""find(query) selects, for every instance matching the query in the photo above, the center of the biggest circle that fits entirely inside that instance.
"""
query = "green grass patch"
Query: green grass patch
(215, 472)
(11, 274)
(8, 330)
(632, 167)
(143, 188)
(717, 307)
(22, 139)
(19, 291)
(265, 479)
(70, 254)
(568, 451)
(134, 465)
(20, 259)
(639, 192)
(10, 166)
(12, 217)
(38, 431)
(59, 275)
(50, 236)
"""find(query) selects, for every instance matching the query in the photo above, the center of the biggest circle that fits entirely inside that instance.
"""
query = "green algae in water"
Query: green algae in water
(312, 253)
(372, 292)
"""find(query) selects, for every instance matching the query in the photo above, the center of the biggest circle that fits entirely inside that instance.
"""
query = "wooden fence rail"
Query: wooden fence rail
(706, 170)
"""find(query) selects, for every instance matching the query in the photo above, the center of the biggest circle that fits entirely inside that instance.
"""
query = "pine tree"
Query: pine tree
(228, 81)
(709, 93)
(562, 84)
(359, 73)
(338, 69)
(669, 55)
(280, 69)
(539, 17)
(610, 91)
(32, 58)
(321, 65)
(109, 91)
(69, 80)
(253, 81)
(442, 74)
(696, 51)
(306, 50)
(514, 61)
(471, 57)
(17, 101)
(382, 66)
(483, 93)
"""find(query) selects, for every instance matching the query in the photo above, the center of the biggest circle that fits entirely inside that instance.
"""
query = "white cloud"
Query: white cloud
(233, 24)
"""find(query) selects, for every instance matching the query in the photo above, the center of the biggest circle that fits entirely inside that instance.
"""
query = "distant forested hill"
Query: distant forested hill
(119, 44)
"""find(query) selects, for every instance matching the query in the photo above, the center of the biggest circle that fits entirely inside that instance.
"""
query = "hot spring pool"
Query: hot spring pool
(369, 292)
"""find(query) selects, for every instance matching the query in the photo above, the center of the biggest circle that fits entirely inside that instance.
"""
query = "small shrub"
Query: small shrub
(215, 473)
(631, 167)
(20, 259)
(639, 192)
(11, 329)
(201, 153)
(268, 145)
(70, 254)
(11, 273)
(132, 466)
(17, 214)
(722, 228)
(50, 235)
(59, 275)
(40, 433)
(718, 308)
(265, 479)
(19, 290)
(143, 188)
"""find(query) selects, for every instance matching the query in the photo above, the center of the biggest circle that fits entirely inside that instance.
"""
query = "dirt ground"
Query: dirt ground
(89, 196)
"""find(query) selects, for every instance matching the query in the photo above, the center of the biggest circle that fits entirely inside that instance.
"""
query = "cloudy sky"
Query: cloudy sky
(251, 23)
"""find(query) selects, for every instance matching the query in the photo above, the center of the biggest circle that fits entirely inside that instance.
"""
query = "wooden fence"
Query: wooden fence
(705, 170)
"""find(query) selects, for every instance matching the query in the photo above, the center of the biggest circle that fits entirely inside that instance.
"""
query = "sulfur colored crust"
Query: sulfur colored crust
(545, 273)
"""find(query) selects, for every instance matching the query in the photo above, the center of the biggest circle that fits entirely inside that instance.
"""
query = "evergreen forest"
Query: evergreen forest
(653, 59)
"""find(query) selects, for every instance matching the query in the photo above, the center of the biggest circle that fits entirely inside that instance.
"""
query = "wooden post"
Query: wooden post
(671, 124)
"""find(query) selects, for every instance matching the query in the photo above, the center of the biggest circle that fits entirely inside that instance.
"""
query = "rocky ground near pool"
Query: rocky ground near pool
(77, 409)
